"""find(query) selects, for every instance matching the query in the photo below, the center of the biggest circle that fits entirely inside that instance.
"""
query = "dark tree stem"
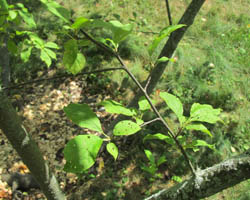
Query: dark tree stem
(169, 13)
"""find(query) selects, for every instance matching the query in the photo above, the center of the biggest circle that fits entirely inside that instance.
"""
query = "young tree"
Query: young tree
(203, 183)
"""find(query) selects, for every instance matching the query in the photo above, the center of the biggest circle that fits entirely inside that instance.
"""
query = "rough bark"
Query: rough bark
(209, 181)
(28, 150)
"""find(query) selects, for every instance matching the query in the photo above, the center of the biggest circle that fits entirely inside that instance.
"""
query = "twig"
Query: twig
(147, 32)
(179, 132)
(149, 122)
(99, 44)
(148, 81)
(169, 14)
(60, 77)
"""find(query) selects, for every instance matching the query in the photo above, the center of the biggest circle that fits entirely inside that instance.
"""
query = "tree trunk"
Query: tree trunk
(209, 181)
(28, 150)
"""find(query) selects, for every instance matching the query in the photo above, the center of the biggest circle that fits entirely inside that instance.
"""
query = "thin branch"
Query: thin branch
(99, 44)
(149, 122)
(180, 130)
(169, 13)
(148, 32)
(61, 77)
(148, 81)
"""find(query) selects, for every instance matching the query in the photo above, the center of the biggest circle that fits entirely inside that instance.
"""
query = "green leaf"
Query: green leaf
(139, 121)
(120, 31)
(116, 108)
(97, 23)
(3, 14)
(174, 104)
(66, 27)
(80, 153)
(2, 21)
(199, 143)
(112, 149)
(25, 54)
(36, 40)
(51, 45)
(12, 46)
(161, 160)
(163, 34)
(83, 43)
(151, 169)
(50, 53)
(18, 20)
(81, 22)
(78, 65)
(126, 127)
(163, 59)
(199, 127)
(177, 179)
(73, 61)
(111, 44)
(204, 113)
(150, 156)
(45, 57)
(12, 14)
(26, 16)
(57, 10)
(21, 32)
(143, 104)
(4, 5)
(159, 136)
(20, 5)
(83, 116)
(70, 52)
